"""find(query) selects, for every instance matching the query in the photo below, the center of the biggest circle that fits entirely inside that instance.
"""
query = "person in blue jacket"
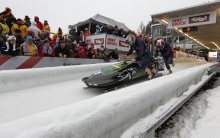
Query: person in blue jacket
(143, 54)
(166, 52)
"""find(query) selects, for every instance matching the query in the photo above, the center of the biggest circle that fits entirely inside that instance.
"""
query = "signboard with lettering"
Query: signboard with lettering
(192, 20)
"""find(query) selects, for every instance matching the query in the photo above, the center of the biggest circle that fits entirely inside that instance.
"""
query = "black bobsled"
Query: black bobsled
(118, 73)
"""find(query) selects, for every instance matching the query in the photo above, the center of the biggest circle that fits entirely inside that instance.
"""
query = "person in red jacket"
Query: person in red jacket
(46, 50)
(39, 24)
(84, 51)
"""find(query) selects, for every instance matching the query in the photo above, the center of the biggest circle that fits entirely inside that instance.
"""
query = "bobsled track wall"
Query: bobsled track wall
(108, 119)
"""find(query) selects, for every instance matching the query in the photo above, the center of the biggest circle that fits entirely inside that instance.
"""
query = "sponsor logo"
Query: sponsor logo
(89, 41)
(99, 41)
(178, 22)
(69, 64)
(200, 18)
(111, 41)
(123, 44)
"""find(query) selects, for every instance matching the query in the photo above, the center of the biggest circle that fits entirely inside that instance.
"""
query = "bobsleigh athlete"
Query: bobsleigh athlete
(143, 55)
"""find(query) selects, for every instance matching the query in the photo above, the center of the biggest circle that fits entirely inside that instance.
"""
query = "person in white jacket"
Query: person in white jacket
(34, 28)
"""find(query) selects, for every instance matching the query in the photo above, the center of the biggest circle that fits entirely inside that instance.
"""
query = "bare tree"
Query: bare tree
(142, 28)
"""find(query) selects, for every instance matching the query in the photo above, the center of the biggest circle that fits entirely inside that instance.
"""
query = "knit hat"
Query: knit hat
(46, 40)
(11, 37)
(36, 17)
(29, 38)
(27, 17)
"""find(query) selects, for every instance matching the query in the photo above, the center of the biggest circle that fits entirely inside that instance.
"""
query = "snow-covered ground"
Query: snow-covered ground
(198, 118)
(22, 103)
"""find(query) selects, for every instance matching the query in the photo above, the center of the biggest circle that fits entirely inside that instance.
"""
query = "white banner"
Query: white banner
(212, 54)
(192, 20)
(108, 41)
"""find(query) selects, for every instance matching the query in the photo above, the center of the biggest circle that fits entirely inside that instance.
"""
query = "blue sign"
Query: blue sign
(218, 56)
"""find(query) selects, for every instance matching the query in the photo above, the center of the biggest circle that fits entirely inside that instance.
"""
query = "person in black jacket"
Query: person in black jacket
(62, 51)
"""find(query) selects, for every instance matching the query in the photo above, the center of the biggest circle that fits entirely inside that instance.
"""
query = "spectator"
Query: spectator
(39, 24)
(83, 51)
(69, 43)
(46, 50)
(61, 50)
(114, 54)
(109, 30)
(98, 54)
(92, 48)
(97, 29)
(121, 32)
(4, 29)
(86, 33)
(2, 42)
(103, 28)
(10, 19)
(76, 52)
(18, 35)
(46, 26)
(91, 54)
(106, 55)
(115, 30)
(28, 48)
(10, 47)
(102, 49)
(21, 26)
(57, 37)
(27, 21)
(73, 33)
(33, 27)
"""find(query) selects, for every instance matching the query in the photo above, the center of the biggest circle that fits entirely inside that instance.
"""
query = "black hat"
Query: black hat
(17, 30)
(26, 17)
(19, 19)
(46, 40)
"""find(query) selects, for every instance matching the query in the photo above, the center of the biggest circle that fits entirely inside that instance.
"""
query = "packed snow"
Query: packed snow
(72, 119)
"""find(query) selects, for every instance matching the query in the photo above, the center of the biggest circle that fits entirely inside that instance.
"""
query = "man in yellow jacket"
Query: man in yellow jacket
(28, 48)
(3, 26)
(46, 26)
(21, 26)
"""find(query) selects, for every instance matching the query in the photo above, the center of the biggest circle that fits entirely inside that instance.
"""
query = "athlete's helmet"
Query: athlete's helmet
(160, 44)
(130, 39)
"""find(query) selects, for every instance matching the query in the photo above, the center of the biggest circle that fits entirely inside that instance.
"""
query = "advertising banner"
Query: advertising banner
(192, 20)
(108, 41)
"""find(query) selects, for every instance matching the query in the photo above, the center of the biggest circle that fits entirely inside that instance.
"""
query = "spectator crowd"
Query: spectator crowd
(33, 38)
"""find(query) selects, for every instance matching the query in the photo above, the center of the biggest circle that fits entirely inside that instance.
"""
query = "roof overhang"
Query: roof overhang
(208, 34)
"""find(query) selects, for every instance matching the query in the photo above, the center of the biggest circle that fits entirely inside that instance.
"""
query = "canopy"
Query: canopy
(99, 19)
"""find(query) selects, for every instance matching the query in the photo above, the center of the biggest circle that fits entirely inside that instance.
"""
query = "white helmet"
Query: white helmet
(130, 39)
(160, 43)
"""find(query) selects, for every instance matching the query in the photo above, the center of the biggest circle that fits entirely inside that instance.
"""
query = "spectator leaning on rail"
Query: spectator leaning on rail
(21, 26)
(46, 50)
(28, 48)
(3, 26)
(62, 51)
(10, 47)
(166, 52)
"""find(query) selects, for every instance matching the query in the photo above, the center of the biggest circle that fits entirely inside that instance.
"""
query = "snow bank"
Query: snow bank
(27, 78)
(104, 115)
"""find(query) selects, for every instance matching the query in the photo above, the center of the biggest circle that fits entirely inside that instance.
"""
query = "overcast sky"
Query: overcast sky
(61, 13)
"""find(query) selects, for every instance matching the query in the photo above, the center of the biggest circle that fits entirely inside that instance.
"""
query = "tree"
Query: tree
(141, 28)
(148, 27)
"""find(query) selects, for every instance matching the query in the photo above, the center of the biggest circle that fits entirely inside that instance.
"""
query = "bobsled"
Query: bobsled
(118, 73)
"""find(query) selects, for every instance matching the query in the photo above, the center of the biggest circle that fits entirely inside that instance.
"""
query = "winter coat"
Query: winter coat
(33, 51)
(46, 53)
(83, 51)
(4, 28)
(34, 28)
(63, 51)
(27, 23)
(19, 40)
(140, 49)
(46, 27)
(23, 29)
(40, 25)
(114, 55)
(166, 52)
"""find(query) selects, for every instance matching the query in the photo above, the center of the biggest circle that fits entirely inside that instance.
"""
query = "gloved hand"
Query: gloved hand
(64, 56)
(61, 55)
